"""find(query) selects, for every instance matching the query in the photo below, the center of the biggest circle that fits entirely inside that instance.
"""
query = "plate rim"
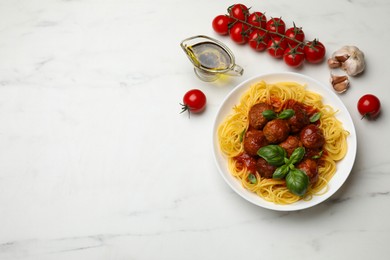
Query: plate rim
(237, 92)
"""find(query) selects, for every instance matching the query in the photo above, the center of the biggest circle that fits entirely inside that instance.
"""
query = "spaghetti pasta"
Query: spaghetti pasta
(231, 130)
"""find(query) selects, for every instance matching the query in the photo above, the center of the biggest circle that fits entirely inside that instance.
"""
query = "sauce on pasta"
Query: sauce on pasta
(280, 96)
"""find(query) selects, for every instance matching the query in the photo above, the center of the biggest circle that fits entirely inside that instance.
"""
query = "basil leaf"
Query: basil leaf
(297, 155)
(286, 114)
(269, 114)
(315, 117)
(318, 156)
(252, 178)
(242, 135)
(281, 172)
(297, 182)
(273, 154)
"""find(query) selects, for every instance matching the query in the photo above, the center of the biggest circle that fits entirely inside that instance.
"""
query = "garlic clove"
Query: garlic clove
(333, 63)
(340, 83)
(334, 79)
(342, 58)
(351, 58)
(341, 87)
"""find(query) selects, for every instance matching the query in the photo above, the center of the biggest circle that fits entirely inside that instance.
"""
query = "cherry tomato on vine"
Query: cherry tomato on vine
(369, 106)
(276, 25)
(258, 40)
(294, 57)
(276, 46)
(239, 11)
(221, 24)
(295, 35)
(314, 51)
(258, 19)
(239, 33)
(194, 101)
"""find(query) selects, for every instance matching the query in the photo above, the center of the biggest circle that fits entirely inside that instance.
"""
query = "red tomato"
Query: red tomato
(294, 57)
(276, 25)
(221, 24)
(239, 11)
(276, 46)
(258, 19)
(314, 51)
(258, 40)
(239, 33)
(194, 101)
(294, 36)
(369, 106)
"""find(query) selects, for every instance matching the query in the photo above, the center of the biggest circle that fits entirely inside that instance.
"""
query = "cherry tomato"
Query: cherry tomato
(239, 33)
(194, 101)
(221, 24)
(314, 51)
(369, 106)
(239, 11)
(258, 19)
(258, 40)
(294, 35)
(294, 57)
(276, 25)
(276, 46)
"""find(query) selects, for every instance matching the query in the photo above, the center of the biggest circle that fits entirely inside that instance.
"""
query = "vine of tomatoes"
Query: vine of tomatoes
(271, 34)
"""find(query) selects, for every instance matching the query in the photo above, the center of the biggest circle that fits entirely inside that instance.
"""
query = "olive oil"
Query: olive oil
(210, 56)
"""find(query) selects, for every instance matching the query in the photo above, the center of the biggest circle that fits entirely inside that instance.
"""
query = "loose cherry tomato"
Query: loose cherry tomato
(239, 33)
(369, 106)
(194, 101)
(294, 57)
(221, 24)
(276, 25)
(314, 51)
(294, 35)
(258, 40)
(239, 11)
(258, 19)
(276, 46)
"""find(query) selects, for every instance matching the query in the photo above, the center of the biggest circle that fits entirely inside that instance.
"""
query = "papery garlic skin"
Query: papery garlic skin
(355, 64)
(340, 83)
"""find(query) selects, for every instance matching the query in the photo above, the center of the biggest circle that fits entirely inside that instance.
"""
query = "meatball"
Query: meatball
(276, 131)
(312, 137)
(309, 166)
(299, 120)
(290, 144)
(253, 141)
(255, 116)
(265, 169)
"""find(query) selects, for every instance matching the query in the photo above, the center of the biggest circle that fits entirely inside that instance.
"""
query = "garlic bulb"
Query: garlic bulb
(351, 59)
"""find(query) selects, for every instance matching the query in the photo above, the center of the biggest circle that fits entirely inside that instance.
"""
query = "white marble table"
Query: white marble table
(97, 163)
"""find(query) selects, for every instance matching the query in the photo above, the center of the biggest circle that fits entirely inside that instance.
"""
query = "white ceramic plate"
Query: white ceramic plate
(344, 166)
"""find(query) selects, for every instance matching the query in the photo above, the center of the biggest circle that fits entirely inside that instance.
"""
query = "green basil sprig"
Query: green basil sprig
(296, 180)
(252, 178)
(242, 135)
(273, 154)
(317, 156)
(285, 114)
(281, 172)
(315, 117)
(269, 114)
(297, 155)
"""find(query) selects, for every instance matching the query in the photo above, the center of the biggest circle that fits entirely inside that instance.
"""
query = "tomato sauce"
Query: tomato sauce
(244, 160)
